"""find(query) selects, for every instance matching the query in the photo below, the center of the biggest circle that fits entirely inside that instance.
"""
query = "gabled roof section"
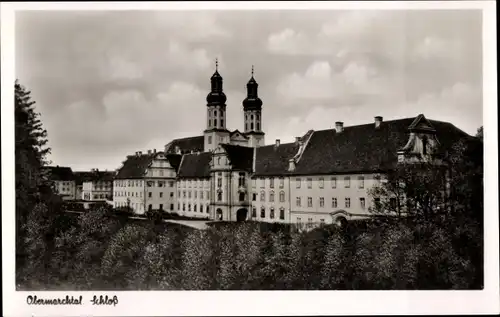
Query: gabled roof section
(364, 148)
(60, 173)
(272, 160)
(421, 124)
(186, 145)
(241, 157)
(237, 132)
(195, 165)
(135, 166)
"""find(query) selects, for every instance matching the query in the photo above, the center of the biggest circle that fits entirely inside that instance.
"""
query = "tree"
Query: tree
(30, 156)
(479, 133)
(415, 189)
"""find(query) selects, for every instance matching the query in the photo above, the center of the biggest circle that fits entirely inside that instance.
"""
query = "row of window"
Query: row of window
(193, 183)
(102, 187)
(257, 123)
(334, 203)
(96, 196)
(309, 224)
(139, 183)
(187, 194)
(66, 183)
(271, 196)
(138, 206)
(309, 181)
(139, 194)
(271, 213)
(194, 206)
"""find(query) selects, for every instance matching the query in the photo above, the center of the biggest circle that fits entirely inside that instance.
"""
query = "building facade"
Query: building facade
(63, 180)
(146, 182)
(98, 186)
(321, 178)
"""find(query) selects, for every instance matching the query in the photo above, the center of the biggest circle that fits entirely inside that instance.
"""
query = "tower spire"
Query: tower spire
(216, 64)
(252, 70)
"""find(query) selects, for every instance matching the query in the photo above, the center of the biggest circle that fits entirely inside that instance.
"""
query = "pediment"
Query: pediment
(421, 124)
(238, 136)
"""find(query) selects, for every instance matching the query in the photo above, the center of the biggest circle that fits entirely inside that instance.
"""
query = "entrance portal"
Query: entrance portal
(218, 214)
(241, 214)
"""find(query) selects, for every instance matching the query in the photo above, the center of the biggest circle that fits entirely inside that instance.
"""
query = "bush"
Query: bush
(100, 250)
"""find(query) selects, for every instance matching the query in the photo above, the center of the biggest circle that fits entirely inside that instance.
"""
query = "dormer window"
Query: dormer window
(425, 141)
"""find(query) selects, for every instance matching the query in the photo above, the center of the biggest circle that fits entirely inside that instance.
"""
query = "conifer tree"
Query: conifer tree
(30, 157)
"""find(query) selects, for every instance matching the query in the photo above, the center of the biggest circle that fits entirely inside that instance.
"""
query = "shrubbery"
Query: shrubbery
(99, 251)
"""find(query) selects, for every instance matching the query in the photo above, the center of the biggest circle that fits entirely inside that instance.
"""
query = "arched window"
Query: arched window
(263, 212)
(282, 213)
(215, 113)
(251, 125)
(222, 122)
(271, 214)
(282, 196)
(254, 212)
(246, 126)
(424, 145)
(215, 123)
(258, 126)
(251, 117)
(219, 195)
(242, 196)
(258, 117)
(271, 196)
(262, 196)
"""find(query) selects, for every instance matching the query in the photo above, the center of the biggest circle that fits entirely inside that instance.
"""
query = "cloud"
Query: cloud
(112, 83)
(321, 82)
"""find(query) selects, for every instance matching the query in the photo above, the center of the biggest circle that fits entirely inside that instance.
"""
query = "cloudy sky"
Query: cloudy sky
(111, 83)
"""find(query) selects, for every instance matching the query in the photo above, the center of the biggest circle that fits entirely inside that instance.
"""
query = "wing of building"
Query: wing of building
(232, 175)
(63, 179)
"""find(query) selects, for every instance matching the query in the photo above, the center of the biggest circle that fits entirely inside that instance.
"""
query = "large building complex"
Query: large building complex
(322, 177)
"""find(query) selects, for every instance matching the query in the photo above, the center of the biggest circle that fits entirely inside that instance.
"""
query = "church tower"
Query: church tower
(216, 132)
(252, 111)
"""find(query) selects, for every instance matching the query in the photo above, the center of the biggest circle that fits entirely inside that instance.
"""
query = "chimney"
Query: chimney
(277, 142)
(378, 121)
(291, 165)
(177, 150)
(139, 153)
(154, 150)
(149, 152)
(297, 139)
(339, 126)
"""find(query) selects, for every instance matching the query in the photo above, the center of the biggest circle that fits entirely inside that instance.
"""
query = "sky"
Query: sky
(110, 83)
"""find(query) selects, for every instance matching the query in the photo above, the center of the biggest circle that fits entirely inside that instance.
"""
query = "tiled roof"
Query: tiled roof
(272, 160)
(81, 177)
(364, 148)
(135, 166)
(186, 145)
(195, 165)
(60, 173)
(175, 160)
(241, 157)
(361, 148)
